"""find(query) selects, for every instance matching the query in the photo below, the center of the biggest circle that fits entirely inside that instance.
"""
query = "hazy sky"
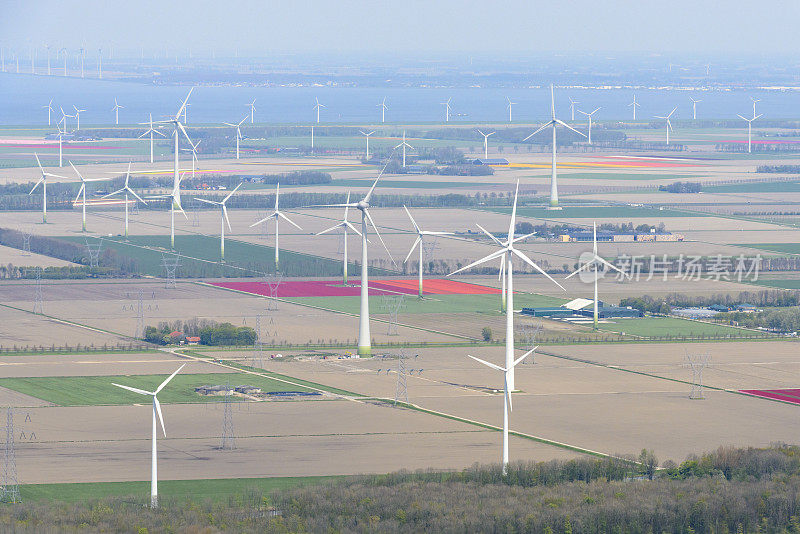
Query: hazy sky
(701, 26)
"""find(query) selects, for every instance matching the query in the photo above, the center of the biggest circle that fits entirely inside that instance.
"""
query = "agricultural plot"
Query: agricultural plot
(331, 288)
(667, 326)
(595, 212)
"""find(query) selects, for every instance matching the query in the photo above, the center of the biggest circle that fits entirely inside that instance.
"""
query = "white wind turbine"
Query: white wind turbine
(43, 181)
(49, 108)
(252, 107)
(749, 130)
(508, 376)
(419, 241)
(64, 119)
(277, 215)
(404, 145)
(61, 140)
(553, 123)
(507, 252)
(589, 115)
(694, 108)
(668, 123)
(238, 132)
(595, 262)
(344, 225)
(572, 107)
(383, 107)
(223, 218)
(78, 117)
(151, 131)
(64, 51)
(510, 103)
(116, 109)
(156, 412)
(193, 150)
(175, 195)
(364, 339)
(127, 189)
(317, 107)
(634, 105)
(486, 143)
(447, 110)
(366, 137)
(82, 191)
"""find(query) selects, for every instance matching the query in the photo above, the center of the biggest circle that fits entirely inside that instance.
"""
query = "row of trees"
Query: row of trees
(783, 320)
(681, 187)
(210, 333)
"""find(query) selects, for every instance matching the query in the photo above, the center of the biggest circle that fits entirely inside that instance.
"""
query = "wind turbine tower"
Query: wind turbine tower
(127, 189)
(82, 191)
(151, 131)
(634, 105)
(668, 124)
(43, 181)
(749, 131)
(486, 143)
(238, 132)
(252, 107)
(383, 107)
(317, 107)
(572, 108)
(589, 115)
(277, 214)
(447, 110)
(344, 225)
(553, 123)
(116, 109)
(694, 108)
(419, 241)
(223, 218)
(510, 103)
(404, 145)
(366, 137)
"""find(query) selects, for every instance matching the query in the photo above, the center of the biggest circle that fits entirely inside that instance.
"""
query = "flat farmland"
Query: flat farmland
(662, 326)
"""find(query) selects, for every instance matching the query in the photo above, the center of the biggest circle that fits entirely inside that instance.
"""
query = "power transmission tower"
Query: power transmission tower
(26, 240)
(228, 439)
(38, 299)
(529, 333)
(258, 346)
(139, 334)
(94, 252)
(697, 364)
(170, 265)
(273, 281)
(392, 305)
(196, 218)
(10, 489)
(429, 249)
(401, 390)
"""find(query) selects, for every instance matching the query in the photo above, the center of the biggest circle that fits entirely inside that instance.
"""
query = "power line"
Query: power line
(10, 489)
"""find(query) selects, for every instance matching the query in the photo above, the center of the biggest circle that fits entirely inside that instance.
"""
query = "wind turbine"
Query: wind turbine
(64, 51)
(277, 215)
(364, 340)
(383, 107)
(694, 108)
(63, 119)
(126, 189)
(419, 241)
(82, 191)
(176, 180)
(572, 107)
(508, 375)
(404, 145)
(749, 130)
(151, 131)
(317, 107)
(447, 110)
(61, 139)
(507, 252)
(595, 261)
(486, 143)
(49, 108)
(238, 133)
(510, 103)
(252, 107)
(590, 122)
(43, 181)
(223, 218)
(78, 116)
(668, 123)
(344, 225)
(634, 104)
(116, 109)
(156, 411)
(193, 150)
(366, 136)
(552, 123)
(754, 105)
(99, 63)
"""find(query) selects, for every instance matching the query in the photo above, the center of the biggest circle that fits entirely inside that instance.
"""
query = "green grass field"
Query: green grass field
(783, 248)
(778, 283)
(767, 187)
(97, 390)
(624, 176)
(200, 257)
(596, 212)
(662, 326)
(431, 304)
(215, 490)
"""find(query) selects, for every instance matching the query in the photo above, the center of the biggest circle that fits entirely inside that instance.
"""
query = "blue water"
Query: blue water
(22, 98)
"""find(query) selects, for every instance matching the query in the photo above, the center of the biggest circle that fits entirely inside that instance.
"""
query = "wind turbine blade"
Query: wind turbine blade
(511, 224)
(160, 416)
(539, 130)
(186, 135)
(353, 228)
(118, 191)
(748, 120)
(416, 242)
(232, 192)
(36, 185)
(208, 201)
(76, 171)
(523, 237)
(518, 360)
(287, 219)
(80, 190)
(487, 364)
(758, 116)
(429, 232)
(579, 269)
(527, 260)
(562, 123)
(38, 162)
(178, 370)
(493, 238)
(332, 228)
(490, 257)
(183, 105)
(507, 393)
(135, 390)
(366, 212)
(412, 218)
(225, 214)
(610, 265)
(132, 192)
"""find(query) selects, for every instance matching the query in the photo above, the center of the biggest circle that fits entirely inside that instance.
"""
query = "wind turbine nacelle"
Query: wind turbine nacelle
(362, 205)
